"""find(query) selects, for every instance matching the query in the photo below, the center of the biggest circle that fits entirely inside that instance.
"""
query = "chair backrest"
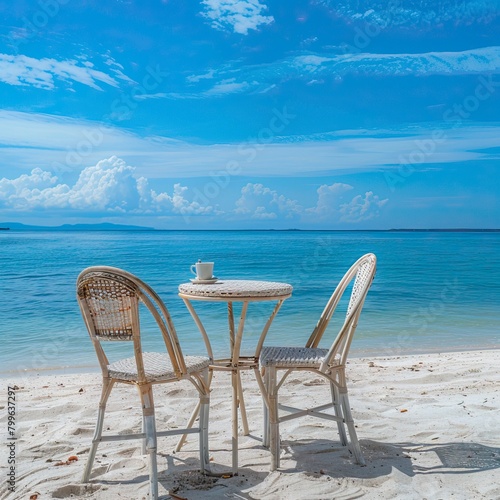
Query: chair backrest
(362, 273)
(109, 301)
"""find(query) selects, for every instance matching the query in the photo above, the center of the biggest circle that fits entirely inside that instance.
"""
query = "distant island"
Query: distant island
(105, 226)
(108, 226)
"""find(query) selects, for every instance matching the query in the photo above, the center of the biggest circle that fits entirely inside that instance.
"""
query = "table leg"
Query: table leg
(241, 401)
(241, 404)
(236, 383)
(230, 320)
(200, 326)
(234, 417)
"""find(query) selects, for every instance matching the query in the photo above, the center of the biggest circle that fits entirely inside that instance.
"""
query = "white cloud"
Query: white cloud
(108, 187)
(362, 208)
(311, 63)
(158, 95)
(262, 214)
(260, 202)
(481, 61)
(29, 140)
(227, 87)
(415, 13)
(329, 198)
(179, 204)
(238, 16)
(111, 187)
(204, 76)
(41, 73)
(331, 204)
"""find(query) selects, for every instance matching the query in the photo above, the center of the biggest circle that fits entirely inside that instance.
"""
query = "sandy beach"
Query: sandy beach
(428, 427)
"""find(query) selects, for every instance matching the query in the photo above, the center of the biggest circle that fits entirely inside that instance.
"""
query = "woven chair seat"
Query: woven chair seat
(157, 366)
(292, 356)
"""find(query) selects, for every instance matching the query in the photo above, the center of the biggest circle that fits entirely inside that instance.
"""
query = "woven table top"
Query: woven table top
(225, 289)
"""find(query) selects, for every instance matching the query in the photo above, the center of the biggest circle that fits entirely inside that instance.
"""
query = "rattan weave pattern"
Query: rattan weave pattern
(115, 299)
(293, 356)
(363, 274)
(157, 366)
(237, 288)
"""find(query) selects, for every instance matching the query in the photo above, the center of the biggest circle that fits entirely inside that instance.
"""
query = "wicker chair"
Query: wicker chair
(109, 300)
(328, 363)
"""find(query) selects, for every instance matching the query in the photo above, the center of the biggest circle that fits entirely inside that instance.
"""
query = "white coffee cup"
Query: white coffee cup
(203, 270)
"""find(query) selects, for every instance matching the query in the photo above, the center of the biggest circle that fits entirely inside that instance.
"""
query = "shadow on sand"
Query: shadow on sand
(320, 458)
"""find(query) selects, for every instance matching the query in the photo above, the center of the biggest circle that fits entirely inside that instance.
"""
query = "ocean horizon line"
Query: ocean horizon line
(111, 227)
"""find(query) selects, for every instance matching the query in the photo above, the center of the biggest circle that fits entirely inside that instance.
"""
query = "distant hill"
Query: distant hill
(105, 226)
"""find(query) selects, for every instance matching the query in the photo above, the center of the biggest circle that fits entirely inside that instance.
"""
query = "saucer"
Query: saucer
(210, 281)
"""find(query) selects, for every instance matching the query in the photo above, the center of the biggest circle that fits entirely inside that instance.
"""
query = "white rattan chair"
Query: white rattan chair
(109, 300)
(328, 363)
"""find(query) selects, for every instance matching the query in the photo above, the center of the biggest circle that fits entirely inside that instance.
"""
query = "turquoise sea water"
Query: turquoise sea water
(432, 291)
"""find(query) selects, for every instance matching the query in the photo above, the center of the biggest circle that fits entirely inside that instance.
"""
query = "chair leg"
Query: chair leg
(338, 413)
(107, 385)
(194, 415)
(143, 446)
(356, 449)
(148, 413)
(265, 427)
(204, 405)
(190, 424)
(274, 433)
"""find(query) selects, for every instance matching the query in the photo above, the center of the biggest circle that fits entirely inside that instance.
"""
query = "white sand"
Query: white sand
(445, 445)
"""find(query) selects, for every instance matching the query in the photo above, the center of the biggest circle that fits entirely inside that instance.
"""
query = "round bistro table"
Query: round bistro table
(231, 291)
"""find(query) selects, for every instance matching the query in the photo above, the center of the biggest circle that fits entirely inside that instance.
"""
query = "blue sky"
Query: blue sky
(250, 114)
